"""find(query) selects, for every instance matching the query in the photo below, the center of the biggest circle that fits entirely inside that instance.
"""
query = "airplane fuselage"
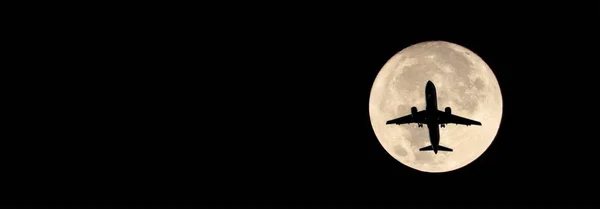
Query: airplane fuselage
(432, 117)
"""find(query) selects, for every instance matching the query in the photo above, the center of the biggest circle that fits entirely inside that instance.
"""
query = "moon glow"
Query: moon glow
(463, 81)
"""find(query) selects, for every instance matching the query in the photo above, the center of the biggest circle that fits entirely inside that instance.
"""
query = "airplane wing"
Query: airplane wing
(417, 118)
(450, 118)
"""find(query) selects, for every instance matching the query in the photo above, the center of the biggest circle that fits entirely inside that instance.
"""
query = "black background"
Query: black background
(266, 108)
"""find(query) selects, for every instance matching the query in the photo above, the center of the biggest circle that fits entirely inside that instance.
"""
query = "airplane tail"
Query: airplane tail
(439, 147)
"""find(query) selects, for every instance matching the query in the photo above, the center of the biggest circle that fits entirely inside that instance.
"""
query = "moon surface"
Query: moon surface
(463, 82)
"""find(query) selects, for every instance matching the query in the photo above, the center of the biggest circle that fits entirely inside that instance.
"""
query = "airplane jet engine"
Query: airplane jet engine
(448, 110)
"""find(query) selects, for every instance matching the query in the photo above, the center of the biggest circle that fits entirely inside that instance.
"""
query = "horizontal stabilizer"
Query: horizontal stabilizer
(427, 148)
(439, 148)
(442, 148)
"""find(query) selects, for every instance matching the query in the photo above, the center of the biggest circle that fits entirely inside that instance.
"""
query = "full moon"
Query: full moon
(463, 81)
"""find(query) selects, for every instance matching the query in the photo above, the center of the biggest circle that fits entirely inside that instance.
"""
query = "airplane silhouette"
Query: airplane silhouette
(432, 117)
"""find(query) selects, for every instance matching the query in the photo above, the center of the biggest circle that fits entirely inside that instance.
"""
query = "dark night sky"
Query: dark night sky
(253, 111)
